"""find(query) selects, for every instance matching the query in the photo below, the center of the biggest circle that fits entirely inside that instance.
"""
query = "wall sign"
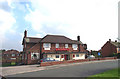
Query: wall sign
(62, 49)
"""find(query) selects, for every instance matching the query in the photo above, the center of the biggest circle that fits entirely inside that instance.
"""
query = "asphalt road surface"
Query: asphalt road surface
(79, 70)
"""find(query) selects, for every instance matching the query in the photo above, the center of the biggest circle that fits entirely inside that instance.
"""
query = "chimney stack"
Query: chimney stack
(78, 38)
(109, 40)
(115, 40)
(25, 34)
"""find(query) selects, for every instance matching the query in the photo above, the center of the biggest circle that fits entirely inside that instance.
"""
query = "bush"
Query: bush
(115, 54)
(13, 63)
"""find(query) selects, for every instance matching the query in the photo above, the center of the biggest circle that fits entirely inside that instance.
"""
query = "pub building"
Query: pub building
(58, 47)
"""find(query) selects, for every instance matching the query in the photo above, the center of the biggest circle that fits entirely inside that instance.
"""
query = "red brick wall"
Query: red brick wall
(53, 48)
(108, 49)
(36, 48)
(7, 58)
(74, 61)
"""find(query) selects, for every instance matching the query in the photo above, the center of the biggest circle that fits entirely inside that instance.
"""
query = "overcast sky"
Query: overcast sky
(96, 21)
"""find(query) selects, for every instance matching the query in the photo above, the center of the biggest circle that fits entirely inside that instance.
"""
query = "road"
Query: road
(77, 70)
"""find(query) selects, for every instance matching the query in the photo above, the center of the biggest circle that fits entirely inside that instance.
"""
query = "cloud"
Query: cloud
(5, 6)
(94, 20)
(6, 21)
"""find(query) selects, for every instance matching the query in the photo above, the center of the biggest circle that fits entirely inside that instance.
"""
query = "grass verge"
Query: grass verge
(110, 74)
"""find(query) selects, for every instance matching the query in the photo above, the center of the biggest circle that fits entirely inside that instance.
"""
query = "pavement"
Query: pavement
(33, 68)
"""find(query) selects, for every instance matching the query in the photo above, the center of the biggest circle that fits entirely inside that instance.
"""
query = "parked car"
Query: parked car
(47, 60)
(90, 57)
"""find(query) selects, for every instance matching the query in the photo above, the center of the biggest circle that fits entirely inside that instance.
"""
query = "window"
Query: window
(13, 58)
(66, 45)
(7, 55)
(62, 56)
(13, 55)
(57, 45)
(73, 55)
(34, 55)
(47, 46)
(118, 49)
(57, 56)
(77, 55)
(22, 56)
(4, 54)
(74, 46)
(25, 56)
(51, 55)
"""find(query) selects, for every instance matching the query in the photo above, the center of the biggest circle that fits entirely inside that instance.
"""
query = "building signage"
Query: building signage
(62, 49)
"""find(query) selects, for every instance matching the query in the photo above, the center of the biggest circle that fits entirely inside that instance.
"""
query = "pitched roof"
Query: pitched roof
(117, 44)
(58, 39)
(52, 39)
(11, 51)
(32, 39)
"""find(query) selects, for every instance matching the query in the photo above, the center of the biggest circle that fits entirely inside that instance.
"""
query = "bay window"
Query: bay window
(35, 56)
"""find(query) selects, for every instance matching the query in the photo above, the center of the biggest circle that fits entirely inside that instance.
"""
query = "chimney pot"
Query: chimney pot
(115, 40)
(78, 38)
(109, 40)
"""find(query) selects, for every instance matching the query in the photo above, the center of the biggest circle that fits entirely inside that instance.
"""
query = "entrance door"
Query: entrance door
(66, 57)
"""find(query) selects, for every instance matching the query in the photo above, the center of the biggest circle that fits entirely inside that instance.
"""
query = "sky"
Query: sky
(95, 21)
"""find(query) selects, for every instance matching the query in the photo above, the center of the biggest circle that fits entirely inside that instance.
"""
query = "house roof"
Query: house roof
(32, 39)
(52, 39)
(11, 51)
(117, 44)
(58, 39)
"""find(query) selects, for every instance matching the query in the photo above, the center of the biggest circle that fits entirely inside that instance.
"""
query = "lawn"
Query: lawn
(110, 74)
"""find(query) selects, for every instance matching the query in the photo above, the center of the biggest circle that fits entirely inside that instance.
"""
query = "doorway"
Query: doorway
(66, 57)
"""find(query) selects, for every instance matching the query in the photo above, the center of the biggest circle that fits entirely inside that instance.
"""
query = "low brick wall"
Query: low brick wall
(74, 61)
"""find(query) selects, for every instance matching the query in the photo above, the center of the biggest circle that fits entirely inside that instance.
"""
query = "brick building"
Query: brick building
(55, 46)
(110, 47)
(11, 56)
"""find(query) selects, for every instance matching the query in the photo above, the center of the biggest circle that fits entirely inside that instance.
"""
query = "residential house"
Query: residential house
(110, 47)
(10, 56)
(55, 46)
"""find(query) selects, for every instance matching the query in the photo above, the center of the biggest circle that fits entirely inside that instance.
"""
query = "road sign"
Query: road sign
(98, 53)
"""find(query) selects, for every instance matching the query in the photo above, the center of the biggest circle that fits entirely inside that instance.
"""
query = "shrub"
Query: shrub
(13, 63)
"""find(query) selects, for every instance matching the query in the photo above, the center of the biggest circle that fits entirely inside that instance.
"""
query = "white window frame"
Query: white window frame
(77, 56)
(66, 45)
(46, 46)
(74, 46)
(57, 45)
(32, 56)
(57, 55)
(13, 55)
